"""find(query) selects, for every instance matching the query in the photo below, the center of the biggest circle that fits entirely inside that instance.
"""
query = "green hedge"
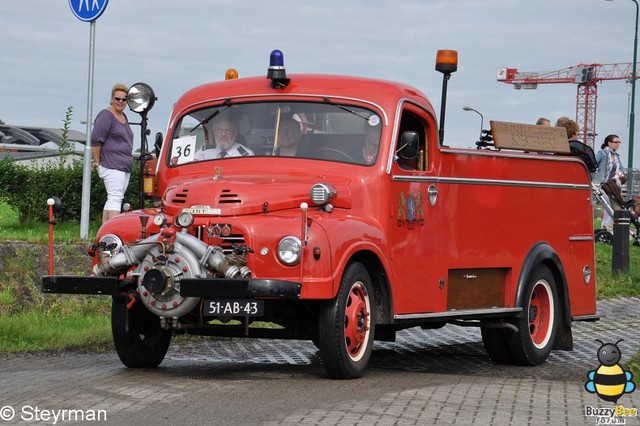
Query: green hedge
(26, 189)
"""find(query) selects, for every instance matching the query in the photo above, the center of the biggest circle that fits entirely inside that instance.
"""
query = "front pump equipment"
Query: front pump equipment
(163, 262)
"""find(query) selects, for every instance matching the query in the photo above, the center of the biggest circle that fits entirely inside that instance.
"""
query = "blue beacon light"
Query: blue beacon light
(276, 59)
(276, 72)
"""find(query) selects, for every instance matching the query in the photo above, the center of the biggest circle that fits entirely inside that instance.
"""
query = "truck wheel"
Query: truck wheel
(346, 326)
(538, 325)
(138, 338)
(496, 344)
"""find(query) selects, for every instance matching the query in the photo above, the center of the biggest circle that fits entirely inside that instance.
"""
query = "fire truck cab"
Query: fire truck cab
(330, 207)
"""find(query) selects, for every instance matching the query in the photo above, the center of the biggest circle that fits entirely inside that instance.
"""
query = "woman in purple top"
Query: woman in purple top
(112, 147)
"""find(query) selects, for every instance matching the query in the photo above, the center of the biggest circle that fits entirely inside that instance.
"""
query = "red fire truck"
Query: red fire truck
(371, 226)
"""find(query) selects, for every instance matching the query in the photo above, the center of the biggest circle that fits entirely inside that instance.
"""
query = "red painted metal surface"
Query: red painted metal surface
(491, 207)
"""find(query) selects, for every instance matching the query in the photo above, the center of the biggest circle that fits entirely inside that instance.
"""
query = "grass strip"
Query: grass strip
(35, 331)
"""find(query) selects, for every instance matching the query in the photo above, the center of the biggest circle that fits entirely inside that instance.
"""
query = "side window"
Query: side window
(409, 159)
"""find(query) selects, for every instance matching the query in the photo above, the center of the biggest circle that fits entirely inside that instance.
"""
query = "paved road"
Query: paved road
(426, 377)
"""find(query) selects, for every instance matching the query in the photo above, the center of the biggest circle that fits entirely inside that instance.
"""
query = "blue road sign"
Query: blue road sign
(88, 10)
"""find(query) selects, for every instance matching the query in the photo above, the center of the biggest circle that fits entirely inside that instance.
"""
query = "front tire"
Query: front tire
(538, 325)
(346, 326)
(139, 340)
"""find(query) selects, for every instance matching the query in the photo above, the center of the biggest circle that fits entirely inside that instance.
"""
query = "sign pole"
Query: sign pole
(86, 169)
(88, 13)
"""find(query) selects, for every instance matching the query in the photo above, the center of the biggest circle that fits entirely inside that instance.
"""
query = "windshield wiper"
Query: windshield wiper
(342, 107)
(226, 104)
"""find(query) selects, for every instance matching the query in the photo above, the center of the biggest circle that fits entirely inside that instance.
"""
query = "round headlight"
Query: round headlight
(289, 250)
(141, 98)
(321, 193)
(111, 242)
(184, 220)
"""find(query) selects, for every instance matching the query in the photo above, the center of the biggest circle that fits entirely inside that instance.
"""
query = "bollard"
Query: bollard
(620, 241)
(55, 206)
(50, 203)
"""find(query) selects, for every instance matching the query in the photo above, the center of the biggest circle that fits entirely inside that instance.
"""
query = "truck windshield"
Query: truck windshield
(322, 130)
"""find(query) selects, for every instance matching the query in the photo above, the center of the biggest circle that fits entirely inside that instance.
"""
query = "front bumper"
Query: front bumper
(191, 287)
(241, 288)
(71, 284)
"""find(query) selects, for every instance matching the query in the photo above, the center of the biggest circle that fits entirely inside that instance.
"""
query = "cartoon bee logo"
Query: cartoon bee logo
(609, 381)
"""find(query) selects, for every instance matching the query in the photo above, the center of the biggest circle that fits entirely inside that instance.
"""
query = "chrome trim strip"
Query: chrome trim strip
(457, 314)
(474, 181)
(581, 238)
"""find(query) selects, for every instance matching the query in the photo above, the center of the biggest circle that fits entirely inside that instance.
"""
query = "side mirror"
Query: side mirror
(158, 144)
(409, 144)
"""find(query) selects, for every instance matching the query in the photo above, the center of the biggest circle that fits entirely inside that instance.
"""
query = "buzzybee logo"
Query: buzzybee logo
(609, 381)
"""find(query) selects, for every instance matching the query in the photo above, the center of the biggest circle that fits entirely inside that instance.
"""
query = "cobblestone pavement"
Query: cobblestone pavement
(426, 377)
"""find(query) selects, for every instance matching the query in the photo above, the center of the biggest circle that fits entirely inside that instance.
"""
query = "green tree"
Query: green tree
(65, 146)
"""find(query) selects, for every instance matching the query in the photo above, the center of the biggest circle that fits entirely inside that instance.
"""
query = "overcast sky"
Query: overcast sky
(174, 45)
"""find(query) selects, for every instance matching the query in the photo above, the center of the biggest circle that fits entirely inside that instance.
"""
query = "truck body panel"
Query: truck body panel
(393, 239)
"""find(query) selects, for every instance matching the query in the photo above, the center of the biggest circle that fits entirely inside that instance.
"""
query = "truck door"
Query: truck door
(413, 232)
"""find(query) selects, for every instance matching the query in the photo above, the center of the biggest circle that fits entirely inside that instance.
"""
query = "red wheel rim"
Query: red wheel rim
(356, 321)
(541, 315)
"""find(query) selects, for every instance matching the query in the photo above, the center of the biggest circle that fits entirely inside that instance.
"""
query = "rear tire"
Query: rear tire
(138, 338)
(346, 327)
(538, 325)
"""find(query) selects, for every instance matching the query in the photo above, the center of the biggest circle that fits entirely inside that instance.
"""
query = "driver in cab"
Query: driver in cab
(225, 132)
(289, 138)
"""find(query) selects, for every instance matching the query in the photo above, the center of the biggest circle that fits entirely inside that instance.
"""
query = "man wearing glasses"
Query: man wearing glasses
(225, 132)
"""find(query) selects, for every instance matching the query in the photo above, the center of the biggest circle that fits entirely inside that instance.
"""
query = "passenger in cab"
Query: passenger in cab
(571, 126)
(225, 132)
(289, 137)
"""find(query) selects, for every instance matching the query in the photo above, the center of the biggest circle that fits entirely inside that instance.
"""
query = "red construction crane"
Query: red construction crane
(585, 76)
